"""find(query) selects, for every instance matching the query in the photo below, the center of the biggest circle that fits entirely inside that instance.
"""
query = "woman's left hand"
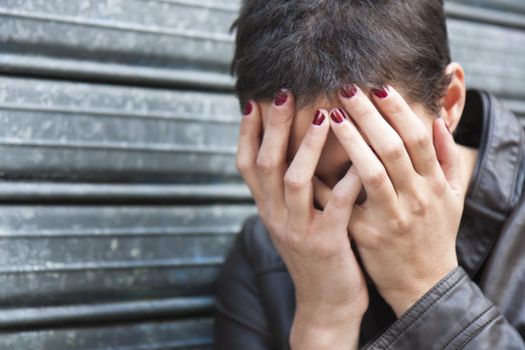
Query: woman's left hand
(406, 229)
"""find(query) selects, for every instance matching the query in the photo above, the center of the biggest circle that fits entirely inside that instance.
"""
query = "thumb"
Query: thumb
(447, 154)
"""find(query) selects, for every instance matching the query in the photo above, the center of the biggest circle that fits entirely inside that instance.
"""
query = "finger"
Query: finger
(321, 192)
(415, 136)
(373, 174)
(387, 144)
(271, 160)
(338, 209)
(447, 154)
(247, 149)
(298, 189)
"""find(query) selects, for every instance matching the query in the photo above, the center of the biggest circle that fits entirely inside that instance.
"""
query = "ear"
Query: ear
(454, 100)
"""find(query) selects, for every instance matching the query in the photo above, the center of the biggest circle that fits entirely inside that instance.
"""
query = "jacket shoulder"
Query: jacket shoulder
(255, 243)
(241, 314)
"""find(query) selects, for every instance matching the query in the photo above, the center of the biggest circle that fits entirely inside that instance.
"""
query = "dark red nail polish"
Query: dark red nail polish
(248, 108)
(348, 91)
(381, 93)
(319, 118)
(337, 115)
(281, 98)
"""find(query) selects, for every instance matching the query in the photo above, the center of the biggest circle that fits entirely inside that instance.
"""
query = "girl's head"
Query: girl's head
(314, 47)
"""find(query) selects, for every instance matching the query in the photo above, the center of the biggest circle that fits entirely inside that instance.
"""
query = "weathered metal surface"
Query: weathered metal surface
(78, 314)
(57, 254)
(505, 6)
(119, 194)
(492, 56)
(166, 32)
(484, 15)
(90, 132)
(194, 334)
(45, 192)
(137, 42)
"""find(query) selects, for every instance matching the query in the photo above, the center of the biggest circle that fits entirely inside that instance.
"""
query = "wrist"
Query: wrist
(307, 334)
(401, 300)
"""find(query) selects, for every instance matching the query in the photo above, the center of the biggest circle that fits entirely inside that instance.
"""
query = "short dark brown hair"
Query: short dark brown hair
(315, 46)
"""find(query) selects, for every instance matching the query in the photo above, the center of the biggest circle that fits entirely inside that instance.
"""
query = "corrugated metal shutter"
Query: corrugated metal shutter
(119, 194)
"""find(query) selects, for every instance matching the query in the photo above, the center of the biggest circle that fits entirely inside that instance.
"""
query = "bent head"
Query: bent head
(314, 47)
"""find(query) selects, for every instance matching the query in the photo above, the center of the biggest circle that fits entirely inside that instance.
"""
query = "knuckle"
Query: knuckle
(280, 119)
(242, 165)
(376, 178)
(292, 239)
(349, 138)
(420, 140)
(360, 110)
(309, 141)
(272, 226)
(401, 224)
(265, 166)
(439, 187)
(419, 206)
(294, 182)
(395, 108)
(394, 150)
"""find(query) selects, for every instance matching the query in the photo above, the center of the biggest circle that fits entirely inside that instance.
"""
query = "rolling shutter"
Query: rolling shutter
(119, 196)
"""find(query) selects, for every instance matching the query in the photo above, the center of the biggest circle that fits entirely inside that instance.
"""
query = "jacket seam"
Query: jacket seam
(516, 173)
(467, 327)
(445, 292)
(419, 302)
(508, 205)
(486, 136)
(481, 327)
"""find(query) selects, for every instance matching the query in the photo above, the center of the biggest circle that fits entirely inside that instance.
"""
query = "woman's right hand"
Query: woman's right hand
(331, 293)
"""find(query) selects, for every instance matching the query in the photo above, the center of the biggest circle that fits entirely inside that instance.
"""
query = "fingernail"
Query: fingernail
(348, 91)
(281, 98)
(381, 93)
(337, 115)
(319, 118)
(448, 127)
(248, 108)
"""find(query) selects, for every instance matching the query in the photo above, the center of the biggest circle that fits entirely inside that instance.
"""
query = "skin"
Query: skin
(414, 178)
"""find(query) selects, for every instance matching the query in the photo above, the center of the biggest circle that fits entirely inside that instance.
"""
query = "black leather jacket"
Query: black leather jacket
(479, 305)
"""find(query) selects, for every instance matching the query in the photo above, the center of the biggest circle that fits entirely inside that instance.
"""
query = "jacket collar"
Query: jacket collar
(497, 181)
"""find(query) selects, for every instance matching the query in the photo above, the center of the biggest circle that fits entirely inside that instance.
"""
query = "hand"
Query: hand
(406, 229)
(331, 294)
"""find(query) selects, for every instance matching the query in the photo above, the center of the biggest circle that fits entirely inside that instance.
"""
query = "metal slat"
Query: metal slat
(188, 35)
(516, 6)
(469, 33)
(92, 131)
(486, 16)
(69, 254)
(36, 289)
(99, 313)
(111, 193)
(491, 56)
(59, 67)
(160, 335)
(469, 38)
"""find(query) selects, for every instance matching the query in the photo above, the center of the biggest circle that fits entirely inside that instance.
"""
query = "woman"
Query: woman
(375, 228)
